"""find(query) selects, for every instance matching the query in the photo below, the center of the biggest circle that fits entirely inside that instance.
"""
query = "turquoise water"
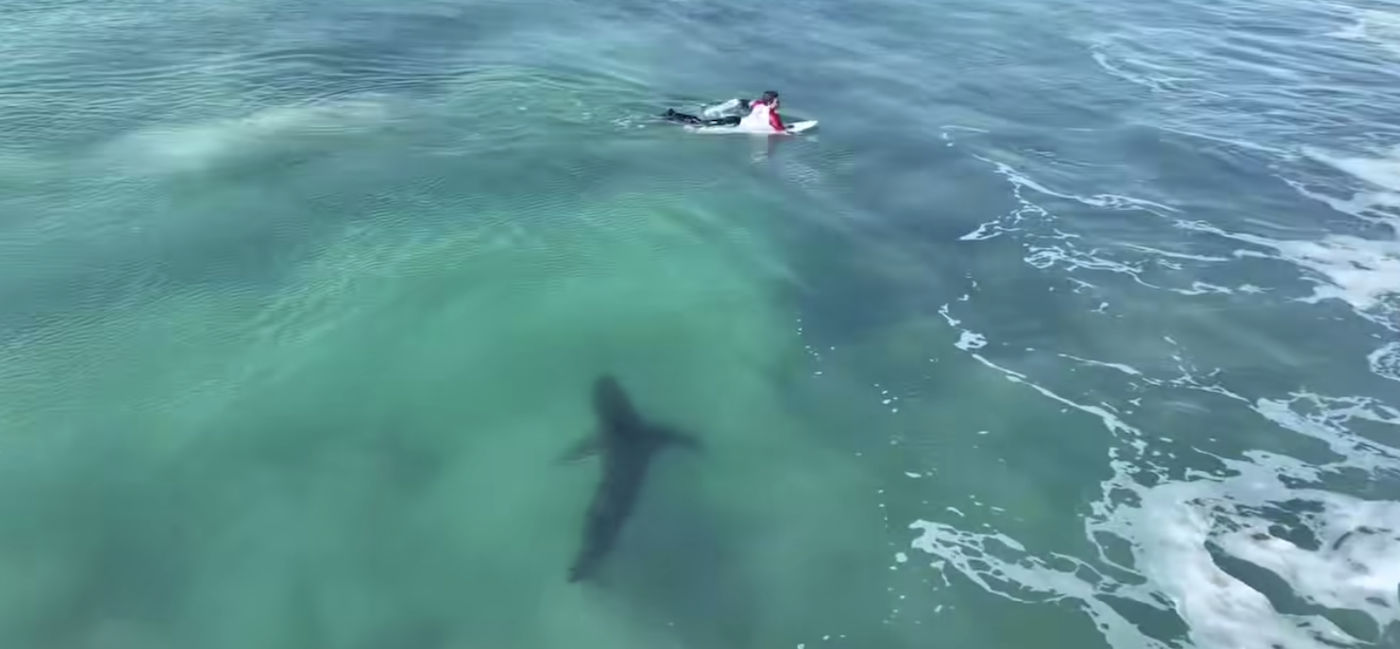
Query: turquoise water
(1074, 325)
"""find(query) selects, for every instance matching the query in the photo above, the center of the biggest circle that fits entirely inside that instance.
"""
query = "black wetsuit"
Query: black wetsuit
(681, 118)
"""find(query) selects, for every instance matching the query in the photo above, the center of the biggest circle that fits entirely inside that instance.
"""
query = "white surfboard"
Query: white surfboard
(793, 128)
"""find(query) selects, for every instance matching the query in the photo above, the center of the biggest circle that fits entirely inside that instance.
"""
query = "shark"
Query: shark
(625, 443)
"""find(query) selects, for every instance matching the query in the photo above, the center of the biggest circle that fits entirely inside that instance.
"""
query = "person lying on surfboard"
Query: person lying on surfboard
(762, 114)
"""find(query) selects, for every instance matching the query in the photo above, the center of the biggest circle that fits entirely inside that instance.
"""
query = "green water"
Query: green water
(1072, 326)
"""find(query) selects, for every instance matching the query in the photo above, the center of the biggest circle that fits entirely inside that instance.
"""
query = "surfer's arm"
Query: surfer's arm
(776, 121)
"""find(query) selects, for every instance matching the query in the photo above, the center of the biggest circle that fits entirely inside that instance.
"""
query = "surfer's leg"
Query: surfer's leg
(673, 116)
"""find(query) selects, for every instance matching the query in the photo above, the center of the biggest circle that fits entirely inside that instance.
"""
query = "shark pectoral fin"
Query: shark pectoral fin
(583, 449)
(683, 440)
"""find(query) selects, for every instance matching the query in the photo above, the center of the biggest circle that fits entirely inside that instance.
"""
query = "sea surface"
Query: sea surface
(1074, 325)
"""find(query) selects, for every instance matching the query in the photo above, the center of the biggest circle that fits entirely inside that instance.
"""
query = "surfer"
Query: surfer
(762, 114)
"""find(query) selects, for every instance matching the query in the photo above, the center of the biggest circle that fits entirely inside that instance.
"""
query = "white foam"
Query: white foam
(1355, 567)
(1383, 171)
(1370, 205)
(970, 340)
(943, 311)
(1377, 199)
(1110, 201)
(1176, 255)
(1032, 579)
(1111, 58)
(1169, 533)
(1380, 28)
(985, 231)
(1385, 362)
(1326, 419)
(1364, 273)
(1058, 248)
(1116, 366)
(1354, 564)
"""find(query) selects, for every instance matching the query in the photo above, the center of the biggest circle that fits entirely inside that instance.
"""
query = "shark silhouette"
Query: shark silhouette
(626, 444)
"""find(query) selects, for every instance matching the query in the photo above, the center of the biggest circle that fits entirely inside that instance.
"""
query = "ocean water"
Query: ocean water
(1076, 324)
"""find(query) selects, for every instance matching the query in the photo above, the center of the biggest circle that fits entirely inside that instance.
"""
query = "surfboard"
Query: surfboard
(793, 128)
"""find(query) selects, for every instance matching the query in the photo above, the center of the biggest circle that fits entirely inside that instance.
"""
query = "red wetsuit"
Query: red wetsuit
(774, 120)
